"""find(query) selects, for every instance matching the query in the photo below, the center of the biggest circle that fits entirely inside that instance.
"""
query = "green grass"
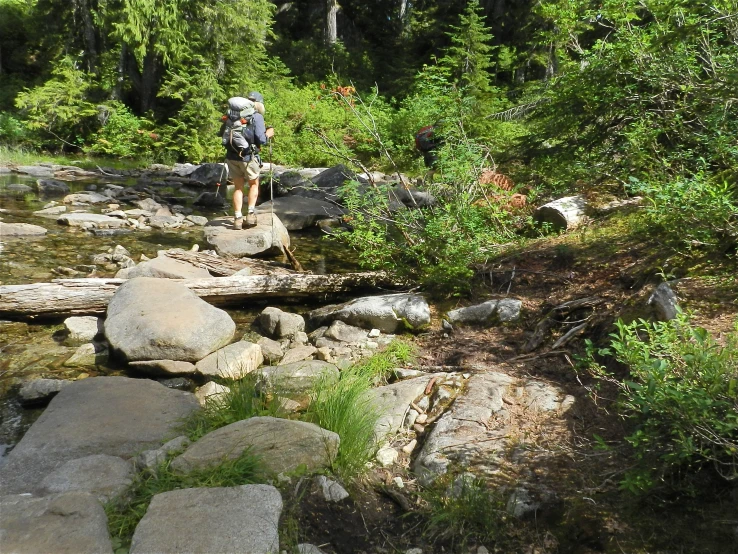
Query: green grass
(345, 407)
(125, 512)
(464, 511)
(243, 401)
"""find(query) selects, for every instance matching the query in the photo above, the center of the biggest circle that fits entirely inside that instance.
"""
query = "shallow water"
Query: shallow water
(30, 350)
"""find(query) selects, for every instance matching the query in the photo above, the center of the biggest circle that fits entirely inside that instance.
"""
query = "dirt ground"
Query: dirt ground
(592, 513)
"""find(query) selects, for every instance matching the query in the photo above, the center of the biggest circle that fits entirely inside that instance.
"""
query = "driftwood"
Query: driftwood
(225, 267)
(64, 297)
(553, 318)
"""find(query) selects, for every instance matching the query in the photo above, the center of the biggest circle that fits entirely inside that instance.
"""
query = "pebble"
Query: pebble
(421, 419)
(399, 482)
(387, 456)
(409, 447)
(419, 429)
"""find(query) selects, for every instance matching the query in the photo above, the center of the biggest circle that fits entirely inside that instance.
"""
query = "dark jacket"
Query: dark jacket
(254, 133)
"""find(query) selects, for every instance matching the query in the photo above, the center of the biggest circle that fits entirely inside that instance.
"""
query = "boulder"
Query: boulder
(164, 267)
(231, 362)
(208, 174)
(117, 416)
(271, 350)
(388, 313)
(211, 520)
(40, 391)
(299, 212)
(16, 189)
(82, 329)
(51, 187)
(103, 476)
(149, 460)
(159, 319)
(21, 230)
(334, 177)
(209, 392)
(90, 354)
(664, 302)
(283, 445)
(342, 332)
(86, 198)
(71, 523)
(268, 238)
(298, 353)
(487, 313)
(278, 324)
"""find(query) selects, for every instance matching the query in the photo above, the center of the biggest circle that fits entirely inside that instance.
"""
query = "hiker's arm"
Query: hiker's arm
(222, 129)
(260, 133)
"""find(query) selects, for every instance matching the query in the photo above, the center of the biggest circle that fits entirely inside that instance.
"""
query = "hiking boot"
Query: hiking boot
(238, 223)
(250, 220)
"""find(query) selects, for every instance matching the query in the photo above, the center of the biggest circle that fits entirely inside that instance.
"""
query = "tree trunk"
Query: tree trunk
(331, 25)
(65, 297)
(149, 82)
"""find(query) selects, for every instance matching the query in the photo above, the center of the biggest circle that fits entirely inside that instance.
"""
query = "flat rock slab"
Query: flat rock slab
(103, 476)
(388, 313)
(269, 237)
(21, 230)
(159, 319)
(40, 391)
(282, 444)
(52, 212)
(116, 416)
(464, 435)
(392, 402)
(222, 520)
(164, 368)
(71, 523)
(99, 221)
(298, 354)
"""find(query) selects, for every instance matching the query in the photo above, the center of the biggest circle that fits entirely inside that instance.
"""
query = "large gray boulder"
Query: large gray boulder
(268, 238)
(299, 212)
(388, 313)
(208, 174)
(116, 416)
(280, 324)
(222, 520)
(71, 523)
(282, 444)
(159, 319)
(164, 267)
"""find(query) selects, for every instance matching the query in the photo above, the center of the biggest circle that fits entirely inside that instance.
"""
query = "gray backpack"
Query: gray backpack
(237, 120)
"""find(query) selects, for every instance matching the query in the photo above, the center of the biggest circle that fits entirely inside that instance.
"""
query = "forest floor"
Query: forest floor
(608, 262)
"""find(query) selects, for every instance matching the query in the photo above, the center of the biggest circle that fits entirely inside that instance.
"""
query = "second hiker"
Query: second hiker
(243, 134)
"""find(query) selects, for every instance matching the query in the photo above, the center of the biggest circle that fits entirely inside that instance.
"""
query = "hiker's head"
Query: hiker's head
(256, 97)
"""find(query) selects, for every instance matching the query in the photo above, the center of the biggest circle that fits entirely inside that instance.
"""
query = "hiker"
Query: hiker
(427, 143)
(243, 133)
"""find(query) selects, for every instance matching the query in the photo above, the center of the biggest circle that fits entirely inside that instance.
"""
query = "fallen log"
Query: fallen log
(65, 297)
(563, 214)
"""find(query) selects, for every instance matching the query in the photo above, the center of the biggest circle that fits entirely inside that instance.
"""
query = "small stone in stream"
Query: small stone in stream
(177, 383)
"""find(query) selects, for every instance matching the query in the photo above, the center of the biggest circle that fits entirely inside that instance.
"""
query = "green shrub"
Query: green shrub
(12, 130)
(681, 394)
(122, 134)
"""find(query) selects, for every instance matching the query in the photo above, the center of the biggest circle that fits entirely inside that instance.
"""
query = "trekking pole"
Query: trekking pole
(217, 185)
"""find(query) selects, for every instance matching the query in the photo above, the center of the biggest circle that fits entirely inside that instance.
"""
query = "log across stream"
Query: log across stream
(65, 297)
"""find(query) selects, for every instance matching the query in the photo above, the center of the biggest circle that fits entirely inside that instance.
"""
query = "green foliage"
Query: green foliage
(694, 212)
(243, 401)
(681, 394)
(125, 512)
(464, 510)
(122, 134)
(59, 106)
(12, 130)
(345, 407)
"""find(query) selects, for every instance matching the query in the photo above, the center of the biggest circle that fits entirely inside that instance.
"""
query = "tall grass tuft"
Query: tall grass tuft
(346, 407)
(244, 400)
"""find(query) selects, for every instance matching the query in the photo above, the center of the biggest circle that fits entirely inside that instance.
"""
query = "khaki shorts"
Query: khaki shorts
(245, 170)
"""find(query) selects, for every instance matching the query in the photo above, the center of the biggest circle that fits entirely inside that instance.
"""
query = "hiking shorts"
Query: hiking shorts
(245, 170)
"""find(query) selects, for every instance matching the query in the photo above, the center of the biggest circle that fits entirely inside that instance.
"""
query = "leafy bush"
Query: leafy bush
(12, 130)
(693, 212)
(122, 134)
(681, 394)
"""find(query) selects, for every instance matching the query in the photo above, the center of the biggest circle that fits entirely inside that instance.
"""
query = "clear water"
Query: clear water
(31, 350)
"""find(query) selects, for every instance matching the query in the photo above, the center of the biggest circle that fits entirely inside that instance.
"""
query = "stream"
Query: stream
(33, 350)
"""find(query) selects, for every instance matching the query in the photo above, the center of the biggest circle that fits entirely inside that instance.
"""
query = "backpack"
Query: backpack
(236, 125)
(424, 139)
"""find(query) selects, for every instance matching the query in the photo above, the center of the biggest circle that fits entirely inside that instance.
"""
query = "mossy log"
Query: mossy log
(65, 297)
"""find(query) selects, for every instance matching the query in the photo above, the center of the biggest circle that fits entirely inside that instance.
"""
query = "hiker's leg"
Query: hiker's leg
(238, 183)
(253, 194)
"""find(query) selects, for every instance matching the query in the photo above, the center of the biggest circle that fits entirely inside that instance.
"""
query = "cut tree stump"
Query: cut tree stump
(65, 297)
(563, 214)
